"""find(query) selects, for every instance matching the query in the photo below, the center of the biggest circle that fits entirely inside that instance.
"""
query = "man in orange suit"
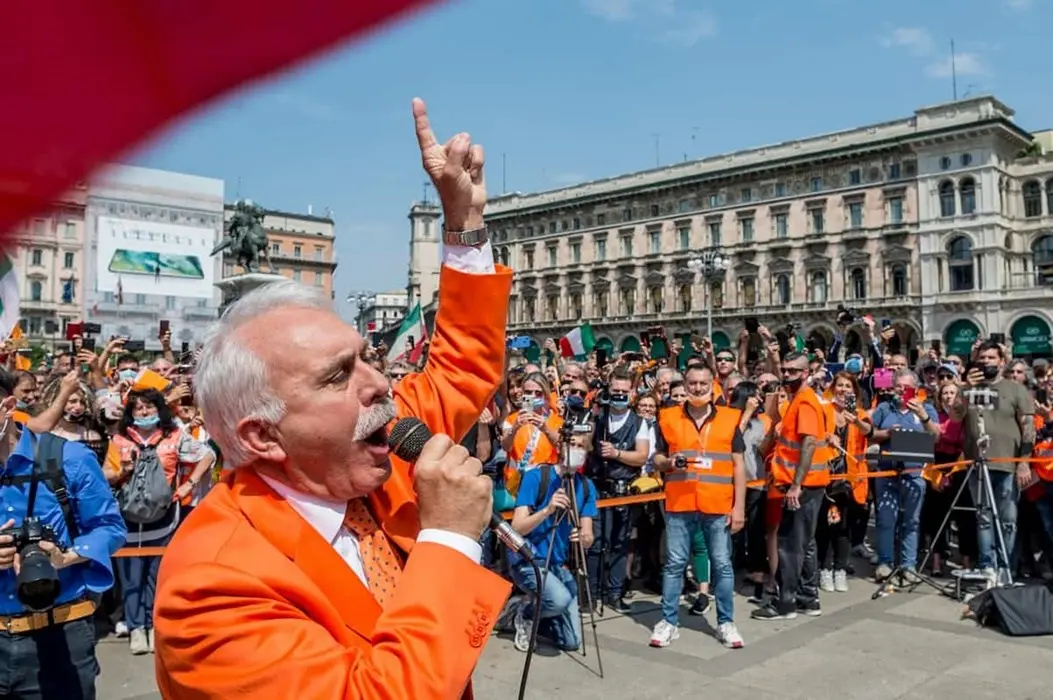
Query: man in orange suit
(324, 567)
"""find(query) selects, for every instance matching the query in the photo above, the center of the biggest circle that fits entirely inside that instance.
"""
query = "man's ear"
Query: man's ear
(261, 440)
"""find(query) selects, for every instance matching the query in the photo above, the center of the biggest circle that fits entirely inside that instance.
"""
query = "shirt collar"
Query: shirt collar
(326, 516)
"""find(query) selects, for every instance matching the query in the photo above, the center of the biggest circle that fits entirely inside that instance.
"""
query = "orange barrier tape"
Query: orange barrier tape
(619, 501)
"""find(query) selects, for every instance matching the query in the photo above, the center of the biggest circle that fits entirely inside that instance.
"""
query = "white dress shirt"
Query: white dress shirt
(479, 261)
(327, 518)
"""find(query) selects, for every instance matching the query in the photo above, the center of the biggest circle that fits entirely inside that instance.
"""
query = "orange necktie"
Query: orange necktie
(383, 566)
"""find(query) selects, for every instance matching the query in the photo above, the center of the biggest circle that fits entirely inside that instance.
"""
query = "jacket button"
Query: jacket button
(484, 618)
(475, 640)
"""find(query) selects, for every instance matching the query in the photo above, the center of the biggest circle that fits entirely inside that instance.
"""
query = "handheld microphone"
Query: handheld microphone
(407, 439)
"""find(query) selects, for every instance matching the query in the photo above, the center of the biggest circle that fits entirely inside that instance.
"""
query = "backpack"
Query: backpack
(47, 468)
(147, 495)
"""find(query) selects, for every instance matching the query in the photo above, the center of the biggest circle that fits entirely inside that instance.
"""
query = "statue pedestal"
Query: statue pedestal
(235, 287)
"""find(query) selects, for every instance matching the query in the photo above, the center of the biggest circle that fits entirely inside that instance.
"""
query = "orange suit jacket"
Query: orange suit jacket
(253, 603)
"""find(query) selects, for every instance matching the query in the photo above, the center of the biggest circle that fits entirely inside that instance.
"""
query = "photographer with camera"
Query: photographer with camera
(621, 446)
(62, 527)
(999, 427)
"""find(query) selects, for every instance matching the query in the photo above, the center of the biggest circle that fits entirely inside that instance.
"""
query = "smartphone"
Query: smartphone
(886, 323)
(88, 344)
(1042, 396)
(601, 357)
(998, 338)
(184, 349)
(882, 378)
(909, 393)
(134, 346)
(74, 329)
(656, 331)
(645, 338)
(936, 346)
(752, 324)
(850, 403)
(163, 327)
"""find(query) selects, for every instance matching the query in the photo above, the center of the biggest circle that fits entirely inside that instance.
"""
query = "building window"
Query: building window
(627, 214)
(36, 291)
(70, 229)
(655, 300)
(945, 163)
(319, 281)
(967, 189)
(276, 248)
(39, 227)
(552, 227)
(714, 200)
(564, 225)
(817, 184)
(780, 189)
(960, 264)
(654, 210)
(34, 325)
(552, 310)
(684, 234)
(855, 215)
(627, 246)
(628, 301)
(893, 171)
(36, 257)
(746, 224)
(297, 250)
(318, 253)
(859, 283)
(899, 280)
(528, 309)
(1049, 195)
(716, 294)
(296, 275)
(528, 259)
(782, 225)
(746, 195)
(576, 307)
(575, 253)
(855, 176)
(656, 242)
(683, 206)
(714, 233)
(895, 210)
(749, 292)
(140, 299)
(818, 287)
(551, 255)
(577, 222)
(599, 304)
(1042, 257)
(967, 160)
(782, 289)
(947, 207)
(817, 220)
(601, 250)
(685, 297)
(1032, 199)
(601, 219)
(107, 297)
(67, 260)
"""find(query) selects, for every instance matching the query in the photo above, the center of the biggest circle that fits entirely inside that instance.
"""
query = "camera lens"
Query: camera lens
(38, 582)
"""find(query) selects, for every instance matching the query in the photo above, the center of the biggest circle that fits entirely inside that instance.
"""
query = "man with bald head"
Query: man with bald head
(325, 567)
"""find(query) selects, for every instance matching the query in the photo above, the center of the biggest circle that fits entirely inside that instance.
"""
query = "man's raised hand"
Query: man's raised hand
(456, 170)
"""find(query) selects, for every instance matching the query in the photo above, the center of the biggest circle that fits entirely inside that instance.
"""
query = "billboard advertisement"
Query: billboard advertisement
(151, 257)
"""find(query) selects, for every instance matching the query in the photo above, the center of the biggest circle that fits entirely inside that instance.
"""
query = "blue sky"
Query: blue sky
(576, 89)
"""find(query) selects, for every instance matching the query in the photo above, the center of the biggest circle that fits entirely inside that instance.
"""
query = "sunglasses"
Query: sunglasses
(725, 358)
(577, 392)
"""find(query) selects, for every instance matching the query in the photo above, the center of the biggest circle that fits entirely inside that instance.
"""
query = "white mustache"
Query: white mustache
(379, 414)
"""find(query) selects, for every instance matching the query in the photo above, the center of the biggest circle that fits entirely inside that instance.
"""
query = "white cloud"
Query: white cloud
(665, 20)
(612, 10)
(963, 64)
(914, 40)
(1020, 5)
(693, 28)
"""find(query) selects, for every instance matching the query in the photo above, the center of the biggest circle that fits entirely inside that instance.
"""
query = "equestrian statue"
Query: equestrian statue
(245, 238)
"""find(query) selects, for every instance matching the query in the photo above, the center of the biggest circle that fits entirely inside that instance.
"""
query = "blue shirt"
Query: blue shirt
(888, 417)
(540, 536)
(102, 529)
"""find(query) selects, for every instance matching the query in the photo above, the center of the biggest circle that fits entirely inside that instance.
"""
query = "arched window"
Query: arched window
(655, 300)
(716, 294)
(1042, 256)
(960, 264)
(628, 301)
(505, 256)
(599, 304)
(685, 297)
(818, 287)
(947, 198)
(1049, 195)
(1032, 198)
(749, 292)
(899, 280)
(576, 306)
(36, 291)
(859, 283)
(782, 289)
(967, 189)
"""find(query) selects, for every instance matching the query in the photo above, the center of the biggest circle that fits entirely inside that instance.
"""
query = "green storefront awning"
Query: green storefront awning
(721, 340)
(606, 344)
(686, 351)
(630, 344)
(1030, 336)
(533, 353)
(960, 337)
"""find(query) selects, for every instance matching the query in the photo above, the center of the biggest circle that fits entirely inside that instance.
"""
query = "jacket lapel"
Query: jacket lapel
(279, 524)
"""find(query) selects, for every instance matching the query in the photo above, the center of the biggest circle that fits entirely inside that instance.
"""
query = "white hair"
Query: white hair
(231, 382)
(905, 373)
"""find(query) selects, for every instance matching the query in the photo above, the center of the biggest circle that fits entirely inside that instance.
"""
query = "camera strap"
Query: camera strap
(47, 466)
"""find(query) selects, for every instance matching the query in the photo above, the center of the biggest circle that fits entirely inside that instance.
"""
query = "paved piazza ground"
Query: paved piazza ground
(902, 647)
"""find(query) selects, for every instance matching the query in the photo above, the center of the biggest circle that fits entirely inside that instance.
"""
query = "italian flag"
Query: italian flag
(9, 301)
(578, 343)
(412, 326)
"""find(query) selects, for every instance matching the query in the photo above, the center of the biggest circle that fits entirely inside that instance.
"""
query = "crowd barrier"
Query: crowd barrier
(660, 496)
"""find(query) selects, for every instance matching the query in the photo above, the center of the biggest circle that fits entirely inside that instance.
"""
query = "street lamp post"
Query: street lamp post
(360, 299)
(711, 265)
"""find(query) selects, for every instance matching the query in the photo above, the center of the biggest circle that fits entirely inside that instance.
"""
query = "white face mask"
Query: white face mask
(576, 458)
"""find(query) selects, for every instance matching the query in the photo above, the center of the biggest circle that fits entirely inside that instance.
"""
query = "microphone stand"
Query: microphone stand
(603, 423)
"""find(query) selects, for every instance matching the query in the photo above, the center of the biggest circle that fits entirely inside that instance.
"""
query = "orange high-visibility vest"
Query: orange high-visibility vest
(1043, 465)
(788, 444)
(856, 460)
(707, 485)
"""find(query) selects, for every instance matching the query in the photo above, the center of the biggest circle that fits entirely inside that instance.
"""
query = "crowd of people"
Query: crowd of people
(725, 436)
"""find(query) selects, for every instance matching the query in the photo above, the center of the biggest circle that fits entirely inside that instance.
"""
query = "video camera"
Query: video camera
(577, 418)
(38, 583)
(846, 316)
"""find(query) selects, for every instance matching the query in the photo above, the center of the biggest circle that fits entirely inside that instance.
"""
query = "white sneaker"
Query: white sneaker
(729, 636)
(150, 639)
(139, 643)
(882, 572)
(990, 577)
(826, 580)
(522, 625)
(841, 581)
(120, 630)
(664, 634)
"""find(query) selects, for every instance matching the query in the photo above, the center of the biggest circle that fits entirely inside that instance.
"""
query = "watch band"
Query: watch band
(473, 237)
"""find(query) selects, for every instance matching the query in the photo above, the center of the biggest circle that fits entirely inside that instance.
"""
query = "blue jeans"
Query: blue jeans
(897, 502)
(54, 662)
(679, 529)
(560, 617)
(1006, 495)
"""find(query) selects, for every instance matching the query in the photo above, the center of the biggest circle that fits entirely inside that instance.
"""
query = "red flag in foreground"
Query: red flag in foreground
(85, 80)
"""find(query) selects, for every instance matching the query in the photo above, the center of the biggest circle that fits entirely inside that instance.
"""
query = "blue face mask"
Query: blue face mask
(21, 405)
(620, 404)
(150, 422)
(127, 374)
(539, 403)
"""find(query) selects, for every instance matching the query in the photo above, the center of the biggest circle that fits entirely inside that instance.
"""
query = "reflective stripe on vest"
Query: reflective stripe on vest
(707, 484)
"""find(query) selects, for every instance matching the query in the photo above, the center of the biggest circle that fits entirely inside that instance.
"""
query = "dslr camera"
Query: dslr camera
(846, 316)
(37, 582)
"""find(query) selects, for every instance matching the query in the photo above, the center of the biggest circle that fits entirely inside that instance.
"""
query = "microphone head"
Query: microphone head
(407, 437)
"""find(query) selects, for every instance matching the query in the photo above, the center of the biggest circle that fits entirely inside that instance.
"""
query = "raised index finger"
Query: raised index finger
(425, 136)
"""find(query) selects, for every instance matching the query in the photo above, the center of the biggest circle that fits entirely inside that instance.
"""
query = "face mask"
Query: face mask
(576, 458)
(575, 402)
(127, 375)
(150, 422)
(74, 417)
(21, 405)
